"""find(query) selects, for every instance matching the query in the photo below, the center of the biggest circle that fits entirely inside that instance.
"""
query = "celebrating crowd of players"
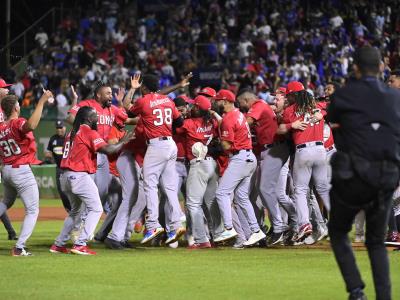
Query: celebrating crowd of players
(232, 157)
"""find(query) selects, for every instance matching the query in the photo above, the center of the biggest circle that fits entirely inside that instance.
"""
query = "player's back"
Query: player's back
(157, 112)
(17, 147)
(234, 128)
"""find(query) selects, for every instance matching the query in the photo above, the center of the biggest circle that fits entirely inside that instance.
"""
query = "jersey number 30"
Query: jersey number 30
(10, 147)
(164, 116)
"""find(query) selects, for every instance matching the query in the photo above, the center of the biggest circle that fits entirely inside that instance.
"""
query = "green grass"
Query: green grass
(165, 273)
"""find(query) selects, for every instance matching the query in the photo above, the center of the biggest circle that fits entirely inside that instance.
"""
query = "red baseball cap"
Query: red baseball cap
(225, 95)
(187, 99)
(202, 102)
(4, 84)
(208, 92)
(294, 86)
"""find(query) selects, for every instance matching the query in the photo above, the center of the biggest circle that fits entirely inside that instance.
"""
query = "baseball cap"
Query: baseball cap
(225, 95)
(208, 92)
(59, 124)
(187, 99)
(202, 102)
(294, 86)
(4, 84)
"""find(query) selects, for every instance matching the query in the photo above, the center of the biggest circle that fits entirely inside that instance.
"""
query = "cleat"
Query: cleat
(227, 234)
(20, 252)
(255, 238)
(275, 238)
(205, 245)
(151, 234)
(304, 231)
(138, 228)
(173, 236)
(113, 244)
(82, 250)
(58, 249)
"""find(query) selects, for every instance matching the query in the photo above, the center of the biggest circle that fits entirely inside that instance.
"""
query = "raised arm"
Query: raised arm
(33, 121)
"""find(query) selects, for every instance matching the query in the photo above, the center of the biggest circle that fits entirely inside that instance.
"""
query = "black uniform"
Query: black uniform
(365, 173)
(55, 146)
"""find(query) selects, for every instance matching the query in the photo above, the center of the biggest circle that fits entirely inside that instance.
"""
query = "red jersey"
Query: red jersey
(17, 147)
(314, 131)
(106, 115)
(328, 136)
(195, 131)
(180, 144)
(266, 123)
(235, 129)
(80, 156)
(158, 112)
(139, 145)
(115, 134)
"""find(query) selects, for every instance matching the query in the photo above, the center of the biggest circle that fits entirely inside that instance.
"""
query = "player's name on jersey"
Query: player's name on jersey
(105, 120)
(204, 129)
(5, 132)
(159, 102)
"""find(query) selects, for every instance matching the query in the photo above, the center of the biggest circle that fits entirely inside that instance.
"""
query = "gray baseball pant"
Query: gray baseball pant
(21, 181)
(359, 222)
(255, 198)
(309, 162)
(201, 185)
(80, 188)
(129, 182)
(288, 211)
(7, 224)
(236, 179)
(272, 161)
(159, 165)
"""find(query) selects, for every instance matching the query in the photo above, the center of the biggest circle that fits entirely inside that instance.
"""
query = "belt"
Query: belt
(238, 151)
(269, 146)
(310, 144)
(161, 138)
(198, 160)
(181, 159)
(330, 148)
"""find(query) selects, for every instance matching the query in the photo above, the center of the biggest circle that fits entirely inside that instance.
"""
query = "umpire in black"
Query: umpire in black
(365, 170)
(55, 151)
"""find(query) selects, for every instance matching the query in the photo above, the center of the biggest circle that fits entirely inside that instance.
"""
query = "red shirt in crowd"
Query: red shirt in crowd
(314, 131)
(17, 147)
(106, 116)
(266, 123)
(80, 156)
(234, 129)
(195, 131)
(158, 112)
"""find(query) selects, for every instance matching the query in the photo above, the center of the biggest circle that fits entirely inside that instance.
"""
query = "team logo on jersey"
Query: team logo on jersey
(105, 120)
(4, 133)
(98, 141)
(204, 129)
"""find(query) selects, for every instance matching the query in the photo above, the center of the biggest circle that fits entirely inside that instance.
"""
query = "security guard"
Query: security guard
(365, 170)
(55, 151)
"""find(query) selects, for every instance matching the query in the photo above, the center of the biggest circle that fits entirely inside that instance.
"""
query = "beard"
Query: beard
(94, 125)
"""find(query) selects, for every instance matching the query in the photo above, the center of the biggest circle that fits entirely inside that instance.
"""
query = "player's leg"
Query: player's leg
(63, 196)
(196, 185)
(83, 186)
(271, 164)
(155, 160)
(28, 190)
(102, 176)
(301, 178)
(12, 235)
(168, 180)
(284, 199)
(359, 227)
(320, 174)
(255, 199)
(129, 183)
(9, 196)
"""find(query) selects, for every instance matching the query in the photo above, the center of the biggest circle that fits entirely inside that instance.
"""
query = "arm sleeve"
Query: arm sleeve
(254, 112)
(227, 131)
(286, 117)
(74, 109)
(120, 116)
(96, 141)
(175, 113)
(137, 108)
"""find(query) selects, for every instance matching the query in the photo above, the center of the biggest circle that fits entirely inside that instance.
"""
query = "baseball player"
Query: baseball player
(199, 131)
(274, 154)
(18, 152)
(107, 115)
(79, 163)
(12, 235)
(310, 158)
(236, 139)
(158, 114)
